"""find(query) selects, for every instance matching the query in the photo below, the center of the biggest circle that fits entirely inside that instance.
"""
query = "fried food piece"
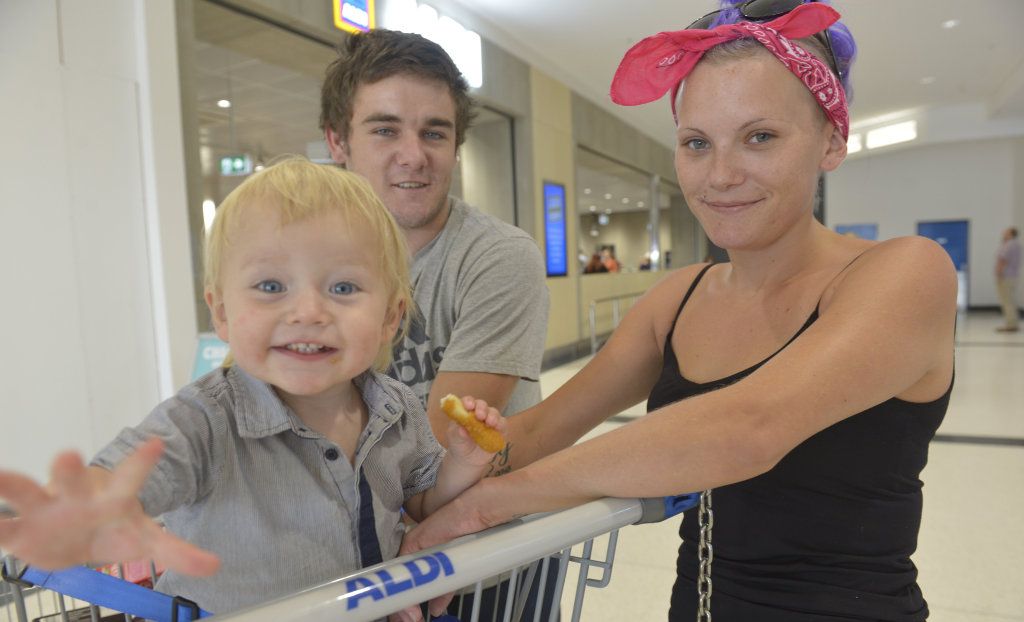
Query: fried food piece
(487, 438)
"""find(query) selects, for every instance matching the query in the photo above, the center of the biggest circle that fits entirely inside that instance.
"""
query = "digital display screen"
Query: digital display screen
(555, 246)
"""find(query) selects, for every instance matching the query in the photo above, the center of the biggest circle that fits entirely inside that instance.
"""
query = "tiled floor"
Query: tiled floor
(971, 546)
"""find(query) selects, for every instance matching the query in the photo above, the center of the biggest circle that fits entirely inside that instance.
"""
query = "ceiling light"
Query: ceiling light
(223, 103)
(594, 232)
(593, 208)
(602, 219)
(625, 200)
(608, 210)
(854, 144)
(608, 195)
(928, 80)
(950, 23)
(639, 203)
(892, 134)
(586, 191)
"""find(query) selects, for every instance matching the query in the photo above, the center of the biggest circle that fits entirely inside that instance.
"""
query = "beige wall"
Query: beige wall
(553, 149)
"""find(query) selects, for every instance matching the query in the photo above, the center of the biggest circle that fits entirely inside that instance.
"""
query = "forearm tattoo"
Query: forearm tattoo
(501, 463)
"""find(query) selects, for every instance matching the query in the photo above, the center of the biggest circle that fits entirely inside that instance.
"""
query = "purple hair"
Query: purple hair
(843, 45)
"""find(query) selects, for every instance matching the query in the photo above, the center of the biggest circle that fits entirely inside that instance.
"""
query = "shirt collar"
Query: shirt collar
(259, 411)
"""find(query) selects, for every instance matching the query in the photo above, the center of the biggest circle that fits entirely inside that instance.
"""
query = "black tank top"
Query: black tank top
(827, 534)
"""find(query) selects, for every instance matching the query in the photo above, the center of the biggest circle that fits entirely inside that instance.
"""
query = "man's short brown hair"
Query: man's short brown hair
(373, 56)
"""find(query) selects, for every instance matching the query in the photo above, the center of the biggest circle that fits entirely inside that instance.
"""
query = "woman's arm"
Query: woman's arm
(620, 375)
(886, 330)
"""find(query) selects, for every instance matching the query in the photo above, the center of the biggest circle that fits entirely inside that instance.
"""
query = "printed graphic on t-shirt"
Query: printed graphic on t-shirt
(415, 359)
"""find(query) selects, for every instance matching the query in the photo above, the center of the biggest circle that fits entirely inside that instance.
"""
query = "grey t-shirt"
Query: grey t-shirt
(243, 477)
(482, 306)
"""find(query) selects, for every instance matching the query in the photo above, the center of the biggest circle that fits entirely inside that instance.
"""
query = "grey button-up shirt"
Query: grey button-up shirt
(243, 477)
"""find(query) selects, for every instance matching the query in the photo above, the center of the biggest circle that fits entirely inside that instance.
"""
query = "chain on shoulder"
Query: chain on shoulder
(705, 555)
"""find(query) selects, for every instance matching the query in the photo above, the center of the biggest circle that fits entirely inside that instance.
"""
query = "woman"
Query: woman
(801, 381)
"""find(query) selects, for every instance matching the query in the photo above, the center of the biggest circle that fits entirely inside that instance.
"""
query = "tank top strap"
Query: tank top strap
(689, 292)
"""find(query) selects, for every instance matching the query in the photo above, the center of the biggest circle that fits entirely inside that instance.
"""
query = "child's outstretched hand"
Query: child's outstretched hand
(487, 426)
(82, 519)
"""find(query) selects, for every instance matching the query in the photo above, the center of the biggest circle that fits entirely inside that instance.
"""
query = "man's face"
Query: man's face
(402, 139)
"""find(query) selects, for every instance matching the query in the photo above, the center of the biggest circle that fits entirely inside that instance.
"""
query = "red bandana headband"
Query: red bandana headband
(661, 62)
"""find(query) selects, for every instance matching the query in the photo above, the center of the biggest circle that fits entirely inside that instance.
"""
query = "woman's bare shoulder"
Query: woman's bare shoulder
(911, 266)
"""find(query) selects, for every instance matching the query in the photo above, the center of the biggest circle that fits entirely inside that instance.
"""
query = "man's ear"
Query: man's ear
(836, 152)
(337, 145)
(220, 319)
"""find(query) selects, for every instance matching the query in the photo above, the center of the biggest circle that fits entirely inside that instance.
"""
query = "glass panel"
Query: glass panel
(613, 203)
(485, 177)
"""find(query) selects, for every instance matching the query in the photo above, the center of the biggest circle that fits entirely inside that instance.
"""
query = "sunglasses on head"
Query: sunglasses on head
(767, 10)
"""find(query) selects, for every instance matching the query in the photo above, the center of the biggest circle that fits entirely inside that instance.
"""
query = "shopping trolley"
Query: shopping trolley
(528, 551)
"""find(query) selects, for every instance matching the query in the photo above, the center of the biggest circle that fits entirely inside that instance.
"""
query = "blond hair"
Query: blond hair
(299, 189)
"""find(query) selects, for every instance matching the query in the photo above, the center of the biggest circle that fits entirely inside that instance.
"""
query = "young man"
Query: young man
(395, 109)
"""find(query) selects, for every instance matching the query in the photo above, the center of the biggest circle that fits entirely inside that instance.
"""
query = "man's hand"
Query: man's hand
(81, 518)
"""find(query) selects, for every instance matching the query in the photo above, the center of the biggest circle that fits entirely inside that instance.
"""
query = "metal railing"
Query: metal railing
(616, 314)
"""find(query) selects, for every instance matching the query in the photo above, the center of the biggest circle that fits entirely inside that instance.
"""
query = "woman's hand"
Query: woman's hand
(457, 518)
(88, 516)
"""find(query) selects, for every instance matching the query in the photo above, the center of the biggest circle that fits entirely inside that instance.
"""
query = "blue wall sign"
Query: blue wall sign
(210, 353)
(555, 247)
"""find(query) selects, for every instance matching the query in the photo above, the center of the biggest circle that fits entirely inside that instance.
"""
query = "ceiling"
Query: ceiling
(906, 59)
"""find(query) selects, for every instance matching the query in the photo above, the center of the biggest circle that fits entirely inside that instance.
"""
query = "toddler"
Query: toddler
(290, 466)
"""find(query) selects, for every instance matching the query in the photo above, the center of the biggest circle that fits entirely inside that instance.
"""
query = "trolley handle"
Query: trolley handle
(657, 509)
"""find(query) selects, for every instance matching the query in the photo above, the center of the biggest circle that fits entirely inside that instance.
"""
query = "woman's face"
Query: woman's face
(751, 142)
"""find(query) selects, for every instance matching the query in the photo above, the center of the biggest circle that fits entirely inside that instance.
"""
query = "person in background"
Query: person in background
(594, 265)
(1007, 273)
(797, 384)
(395, 109)
(609, 260)
(299, 450)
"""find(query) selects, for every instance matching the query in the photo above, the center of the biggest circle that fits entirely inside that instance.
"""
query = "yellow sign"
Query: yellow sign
(354, 15)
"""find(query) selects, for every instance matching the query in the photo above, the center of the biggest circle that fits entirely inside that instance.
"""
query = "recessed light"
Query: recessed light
(625, 200)
(950, 23)
(639, 203)
(593, 208)
(608, 210)
(223, 103)
(586, 191)
(928, 80)
(608, 195)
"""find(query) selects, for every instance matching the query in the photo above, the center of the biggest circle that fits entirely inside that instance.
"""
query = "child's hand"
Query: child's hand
(80, 519)
(461, 445)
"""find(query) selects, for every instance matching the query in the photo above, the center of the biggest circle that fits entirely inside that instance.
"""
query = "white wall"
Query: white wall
(971, 180)
(97, 324)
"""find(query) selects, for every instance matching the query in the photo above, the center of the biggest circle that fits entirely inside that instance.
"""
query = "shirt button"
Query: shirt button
(331, 454)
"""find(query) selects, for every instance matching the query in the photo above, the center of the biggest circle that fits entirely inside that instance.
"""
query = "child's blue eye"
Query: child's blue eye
(343, 288)
(270, 287)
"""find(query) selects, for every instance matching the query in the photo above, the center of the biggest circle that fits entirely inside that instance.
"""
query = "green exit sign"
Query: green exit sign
(235, 165)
